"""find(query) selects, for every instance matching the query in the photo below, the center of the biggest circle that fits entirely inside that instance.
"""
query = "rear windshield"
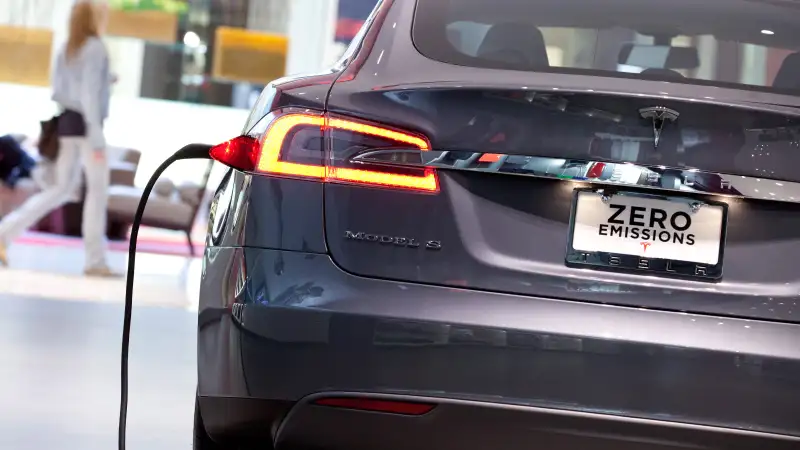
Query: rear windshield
(748, 43)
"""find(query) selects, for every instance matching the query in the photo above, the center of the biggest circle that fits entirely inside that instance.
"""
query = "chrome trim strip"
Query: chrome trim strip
(661, 178)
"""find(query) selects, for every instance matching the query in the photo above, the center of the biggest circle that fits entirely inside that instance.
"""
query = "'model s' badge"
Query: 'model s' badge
(391, 240)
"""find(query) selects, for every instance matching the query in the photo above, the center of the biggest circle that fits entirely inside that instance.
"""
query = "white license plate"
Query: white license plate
(648, 233)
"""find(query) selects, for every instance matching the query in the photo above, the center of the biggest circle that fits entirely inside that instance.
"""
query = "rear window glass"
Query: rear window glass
(750, 43)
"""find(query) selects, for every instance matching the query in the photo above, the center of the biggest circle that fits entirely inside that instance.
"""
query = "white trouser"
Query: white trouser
(74, 153)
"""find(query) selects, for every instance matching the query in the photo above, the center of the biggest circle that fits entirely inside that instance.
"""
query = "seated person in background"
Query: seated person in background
(15, 162)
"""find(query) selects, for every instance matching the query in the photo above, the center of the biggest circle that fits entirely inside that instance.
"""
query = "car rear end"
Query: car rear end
(488, 227)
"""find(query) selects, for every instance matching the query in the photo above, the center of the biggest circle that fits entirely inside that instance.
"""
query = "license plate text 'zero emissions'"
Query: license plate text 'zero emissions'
(647, 234)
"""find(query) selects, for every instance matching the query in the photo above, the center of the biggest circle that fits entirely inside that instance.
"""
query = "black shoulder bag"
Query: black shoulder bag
(48, 139)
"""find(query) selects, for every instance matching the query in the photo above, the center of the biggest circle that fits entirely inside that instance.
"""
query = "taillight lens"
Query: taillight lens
(489, 158)
(596, 171)
(316, 146)
(240, 153)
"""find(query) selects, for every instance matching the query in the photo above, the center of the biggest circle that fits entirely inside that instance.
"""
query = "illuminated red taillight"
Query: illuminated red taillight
(277, 152)
(240, 153)
(377, 405)
(489, 158)
(596, 171)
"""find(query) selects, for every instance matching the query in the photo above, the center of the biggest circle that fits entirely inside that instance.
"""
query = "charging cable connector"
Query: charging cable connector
(192, 151)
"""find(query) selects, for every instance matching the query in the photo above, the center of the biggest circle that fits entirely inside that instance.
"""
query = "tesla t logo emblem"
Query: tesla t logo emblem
(645, 245)
(659, 115)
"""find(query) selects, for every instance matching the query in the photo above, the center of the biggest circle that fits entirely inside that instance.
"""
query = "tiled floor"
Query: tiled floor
(59, 380)
(60, 336)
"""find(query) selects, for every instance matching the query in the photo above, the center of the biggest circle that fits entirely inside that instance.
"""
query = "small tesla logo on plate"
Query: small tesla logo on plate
(645, 245)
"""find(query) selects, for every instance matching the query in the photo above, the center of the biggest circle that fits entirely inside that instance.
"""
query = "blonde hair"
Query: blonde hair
(83, 25)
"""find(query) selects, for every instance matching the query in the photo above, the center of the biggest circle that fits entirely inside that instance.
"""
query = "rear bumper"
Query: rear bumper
(458, 424)
(276, 327)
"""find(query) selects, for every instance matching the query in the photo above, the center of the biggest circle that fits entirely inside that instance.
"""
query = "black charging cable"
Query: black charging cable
(192, 151)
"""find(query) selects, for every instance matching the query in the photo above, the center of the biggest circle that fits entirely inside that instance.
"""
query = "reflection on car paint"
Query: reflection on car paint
(603, 172)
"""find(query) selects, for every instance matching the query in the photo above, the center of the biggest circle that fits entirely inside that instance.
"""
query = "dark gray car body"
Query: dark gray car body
(512, 345)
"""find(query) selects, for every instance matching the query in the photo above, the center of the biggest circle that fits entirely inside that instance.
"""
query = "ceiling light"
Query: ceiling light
(767, 32)
(191, 39)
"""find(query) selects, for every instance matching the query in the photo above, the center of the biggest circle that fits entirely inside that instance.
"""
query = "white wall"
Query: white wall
(126, 56)
(311, 30)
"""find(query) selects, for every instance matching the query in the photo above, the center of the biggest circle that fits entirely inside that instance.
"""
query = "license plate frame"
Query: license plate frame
(636, 264)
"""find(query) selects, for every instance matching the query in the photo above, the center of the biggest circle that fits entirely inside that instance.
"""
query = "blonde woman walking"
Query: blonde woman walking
(81, 88)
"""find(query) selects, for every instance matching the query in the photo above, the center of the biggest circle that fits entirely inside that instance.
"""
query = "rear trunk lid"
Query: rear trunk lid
(511, 164)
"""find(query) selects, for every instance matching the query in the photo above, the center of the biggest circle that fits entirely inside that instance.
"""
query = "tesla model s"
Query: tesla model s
(545, 224)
